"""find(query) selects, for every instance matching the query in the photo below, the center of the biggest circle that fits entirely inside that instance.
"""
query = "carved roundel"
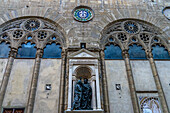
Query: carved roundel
(83, 13)
(122, 37)
(166, 12)
(42, 34)
(17, 34)
(131, 27)
(32, 25)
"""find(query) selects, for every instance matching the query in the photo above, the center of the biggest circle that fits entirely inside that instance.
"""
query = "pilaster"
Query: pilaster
(157, 82)
(131, 81)
(105, 86)
(62, 82)
(7, 73)
(33, 88)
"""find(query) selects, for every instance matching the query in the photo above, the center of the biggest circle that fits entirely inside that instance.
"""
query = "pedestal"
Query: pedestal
(85, 111)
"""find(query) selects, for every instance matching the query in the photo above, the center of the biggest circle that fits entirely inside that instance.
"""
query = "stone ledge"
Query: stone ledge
(85, 111)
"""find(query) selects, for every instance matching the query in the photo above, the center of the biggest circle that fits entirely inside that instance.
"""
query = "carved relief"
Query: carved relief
(149, 105)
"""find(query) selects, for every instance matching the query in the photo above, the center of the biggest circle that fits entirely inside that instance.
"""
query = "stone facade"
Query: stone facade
(119, 85)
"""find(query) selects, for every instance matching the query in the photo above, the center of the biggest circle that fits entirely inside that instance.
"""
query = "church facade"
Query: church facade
(120, 49)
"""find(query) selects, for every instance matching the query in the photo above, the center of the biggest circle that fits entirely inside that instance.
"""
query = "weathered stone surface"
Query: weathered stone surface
(19, 83)
(143, 76)
(163, 71)
(3, 63)
(47, 101)
(119, 100)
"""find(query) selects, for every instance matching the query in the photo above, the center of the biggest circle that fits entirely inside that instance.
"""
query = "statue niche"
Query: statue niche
(82, 96)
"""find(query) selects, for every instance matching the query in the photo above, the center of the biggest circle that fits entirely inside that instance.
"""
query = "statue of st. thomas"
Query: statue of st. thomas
(82, 96)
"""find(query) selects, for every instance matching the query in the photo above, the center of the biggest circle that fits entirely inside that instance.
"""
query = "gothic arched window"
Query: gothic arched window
(27, 51)
(136, 52)
(113, 52)
(160, 52)
(4, 50)
(52, 51)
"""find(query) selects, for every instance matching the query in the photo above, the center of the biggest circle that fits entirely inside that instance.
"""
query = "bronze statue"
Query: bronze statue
(77, 95)
(82, 96)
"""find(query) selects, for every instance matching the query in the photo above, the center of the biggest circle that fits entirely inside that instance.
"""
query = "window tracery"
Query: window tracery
(131, 27)
(32, 25)
(33, 30)
(130, 32)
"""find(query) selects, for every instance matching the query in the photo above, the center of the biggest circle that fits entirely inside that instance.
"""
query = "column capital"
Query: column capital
(102, 53)
(125, 53)
(149, 53)
(13, 52)
(39, 53)
(63, 53)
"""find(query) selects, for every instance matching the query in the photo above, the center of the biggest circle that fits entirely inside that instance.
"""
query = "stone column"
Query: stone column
(66, 85)
(94, 94)
(70, 88)
(98, 88)
(157, 82)
(62, 82)
(105, 86)
(7, 73)
(131, 82)
(33, 88)
(74, 83)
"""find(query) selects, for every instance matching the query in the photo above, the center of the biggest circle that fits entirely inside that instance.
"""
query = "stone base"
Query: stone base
(85, 111)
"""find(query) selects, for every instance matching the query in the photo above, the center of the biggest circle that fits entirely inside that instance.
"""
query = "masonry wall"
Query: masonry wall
(163, 71)
(106, 11)
(119, 100)
(3, 63)
(47, 101)
(143, 76)
(19, 84)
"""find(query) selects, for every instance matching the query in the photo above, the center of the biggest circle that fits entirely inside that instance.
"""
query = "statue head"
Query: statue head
(79, 81)
(85, 80)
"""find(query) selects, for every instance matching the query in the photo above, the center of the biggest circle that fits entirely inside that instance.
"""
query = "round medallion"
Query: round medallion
(166, 12)
(131, 27)
(32, 25)
(83, 13)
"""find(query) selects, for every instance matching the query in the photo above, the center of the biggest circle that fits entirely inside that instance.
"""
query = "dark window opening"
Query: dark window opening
(83, 45)
(113, 52)
(13, 110)
(160, 52)
(27, 51)
(52, 51)
(136, 52)
(4, 50)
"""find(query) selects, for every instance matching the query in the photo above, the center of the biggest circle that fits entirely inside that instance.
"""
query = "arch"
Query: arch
(87, 72)
(118, 26)
(160, 52)
(160, 41)
(27, 50)
(136, 52)
(52, 50)
(20, 26)
(113, 52)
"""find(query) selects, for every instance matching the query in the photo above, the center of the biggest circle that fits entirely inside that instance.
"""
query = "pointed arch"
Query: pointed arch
(39, 28)
(137, 32)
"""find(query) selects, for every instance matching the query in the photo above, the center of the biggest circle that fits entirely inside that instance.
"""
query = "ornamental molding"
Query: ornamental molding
(83, 53)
